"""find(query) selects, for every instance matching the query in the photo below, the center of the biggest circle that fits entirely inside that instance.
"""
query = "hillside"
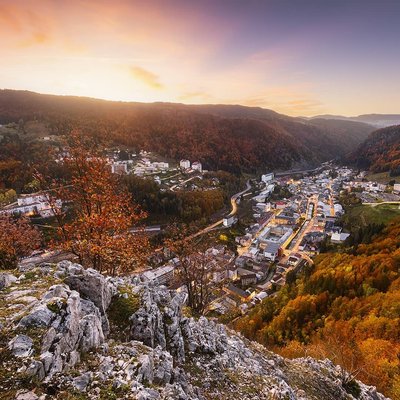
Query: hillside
(380, 152)
(345, 307)
(69, 333)
(233, 138)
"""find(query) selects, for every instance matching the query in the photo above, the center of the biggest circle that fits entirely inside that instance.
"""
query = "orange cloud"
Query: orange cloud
(147, 77)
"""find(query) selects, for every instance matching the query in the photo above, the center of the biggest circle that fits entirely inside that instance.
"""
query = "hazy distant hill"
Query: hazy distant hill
(377, 120)
(380, 152)
(229, 137)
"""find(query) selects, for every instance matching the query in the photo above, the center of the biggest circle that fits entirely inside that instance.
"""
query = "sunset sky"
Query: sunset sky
(298, 57)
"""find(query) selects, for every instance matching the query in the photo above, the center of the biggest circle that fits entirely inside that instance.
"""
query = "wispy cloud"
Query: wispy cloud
(147, 77)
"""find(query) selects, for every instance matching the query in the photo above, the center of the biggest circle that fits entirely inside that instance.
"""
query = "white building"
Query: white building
(267, 177)
(396, 188)
(196, 166)
(161, 165)
(271, 251)
(339, 237)
(229, 221)
(184, 164)
(32, 204)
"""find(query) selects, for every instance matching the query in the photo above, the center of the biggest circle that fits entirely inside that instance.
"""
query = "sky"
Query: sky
(297, 57)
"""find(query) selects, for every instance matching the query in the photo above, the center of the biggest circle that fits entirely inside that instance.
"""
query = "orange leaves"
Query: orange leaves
(102, 213)
(18, 238)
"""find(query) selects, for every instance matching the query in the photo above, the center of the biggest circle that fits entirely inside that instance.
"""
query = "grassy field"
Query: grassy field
(381, 177)
(363, 215)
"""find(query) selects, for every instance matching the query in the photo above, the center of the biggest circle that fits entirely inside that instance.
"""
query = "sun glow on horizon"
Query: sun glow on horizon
(183, 51)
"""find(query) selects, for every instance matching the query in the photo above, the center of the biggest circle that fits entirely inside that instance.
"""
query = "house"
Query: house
(162, 275)
(287, 218)
(184, 164)
(32, 204)
(294, 259)
(260, 297)
(246, 277)
(396, 188)
(271, 251)
(229, 221)
(280, 205)
(339, 237)
(267, 177)
(119, 168)
(196, 166)
(239, 293)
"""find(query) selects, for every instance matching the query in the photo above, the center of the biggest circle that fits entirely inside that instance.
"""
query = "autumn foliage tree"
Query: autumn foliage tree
(18, 238)
(347, 308)
(98, 213)
(194, 269)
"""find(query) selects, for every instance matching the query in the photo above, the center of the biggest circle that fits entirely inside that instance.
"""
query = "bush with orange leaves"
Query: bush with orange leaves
(98, 213)
(18, 238)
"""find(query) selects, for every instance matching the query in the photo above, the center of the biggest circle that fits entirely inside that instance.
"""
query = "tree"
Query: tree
(8, 197)
(98, 213)
(194, 269)
(18, 238)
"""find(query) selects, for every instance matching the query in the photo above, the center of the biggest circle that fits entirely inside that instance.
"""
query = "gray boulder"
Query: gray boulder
(41, 316)
(93, 286)
(6, 280)
(21, 346)
(81, 382)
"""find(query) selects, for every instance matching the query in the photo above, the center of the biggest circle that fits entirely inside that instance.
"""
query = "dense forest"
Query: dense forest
(231, 138)
(345, 307)
(182, 205)
(380, 152)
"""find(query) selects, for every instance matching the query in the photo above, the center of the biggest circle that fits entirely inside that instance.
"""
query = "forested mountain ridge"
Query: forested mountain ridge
(233, 138)
(345, 307)
(380, 152)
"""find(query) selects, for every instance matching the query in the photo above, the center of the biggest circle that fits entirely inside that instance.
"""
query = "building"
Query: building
(238, 293)
(229, 221)
(271, 251)
(119, 168)
(246, 277)
(276, 234)
(267, 177)
(161, 276)
(184, 164)
(32, 204)
(280, 205)
(196, 166)
(339, 237)
(294, 259)
(396, 188)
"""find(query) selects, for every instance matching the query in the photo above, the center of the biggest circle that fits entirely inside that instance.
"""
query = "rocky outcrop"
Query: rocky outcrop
(55, 329)
(6, 280)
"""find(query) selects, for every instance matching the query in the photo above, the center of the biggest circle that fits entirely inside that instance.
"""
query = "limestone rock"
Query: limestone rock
(21, 346)
(93, 286)
(6, 280)
(168, 356)
(81, 382)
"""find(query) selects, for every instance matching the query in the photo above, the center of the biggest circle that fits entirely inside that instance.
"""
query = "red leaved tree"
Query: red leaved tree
(97, 213)
(18, 238)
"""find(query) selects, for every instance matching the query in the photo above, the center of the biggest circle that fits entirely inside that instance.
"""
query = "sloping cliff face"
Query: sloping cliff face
(71, 333)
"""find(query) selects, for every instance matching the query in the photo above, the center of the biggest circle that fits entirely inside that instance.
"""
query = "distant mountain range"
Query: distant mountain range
(377, 120)
(229, 137)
